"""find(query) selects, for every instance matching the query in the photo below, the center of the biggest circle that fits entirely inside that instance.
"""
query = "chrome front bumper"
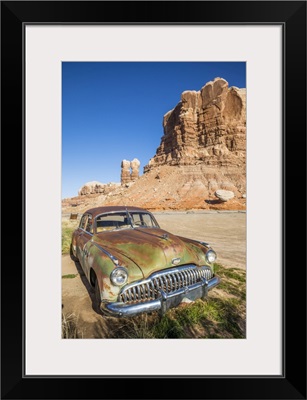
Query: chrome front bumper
(163, 303)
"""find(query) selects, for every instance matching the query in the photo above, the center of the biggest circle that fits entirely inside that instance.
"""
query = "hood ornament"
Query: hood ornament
(176, 261)
(165, 236)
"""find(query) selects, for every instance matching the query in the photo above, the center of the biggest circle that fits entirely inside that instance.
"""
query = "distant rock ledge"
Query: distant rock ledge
(97, 187)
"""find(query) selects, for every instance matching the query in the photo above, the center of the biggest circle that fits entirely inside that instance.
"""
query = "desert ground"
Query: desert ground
(224, 230)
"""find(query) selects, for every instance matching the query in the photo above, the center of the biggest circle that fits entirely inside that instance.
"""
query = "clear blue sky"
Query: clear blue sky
(114, 110)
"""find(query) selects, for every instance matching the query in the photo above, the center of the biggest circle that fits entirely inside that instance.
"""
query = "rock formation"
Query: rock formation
(129, 171)
(125, 175)
(206, 127)
(224, 195)
(135, 166)
(97, 187)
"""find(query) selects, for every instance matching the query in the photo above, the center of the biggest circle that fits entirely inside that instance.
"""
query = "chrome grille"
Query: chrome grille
(169, 281)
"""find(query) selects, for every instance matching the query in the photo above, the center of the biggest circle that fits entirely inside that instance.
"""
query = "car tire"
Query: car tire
(97, 296)
(72, 256)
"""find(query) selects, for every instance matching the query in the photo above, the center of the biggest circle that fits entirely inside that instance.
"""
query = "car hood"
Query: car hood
(151, 249)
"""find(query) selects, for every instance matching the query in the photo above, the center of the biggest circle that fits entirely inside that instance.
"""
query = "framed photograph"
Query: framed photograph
(251, 56)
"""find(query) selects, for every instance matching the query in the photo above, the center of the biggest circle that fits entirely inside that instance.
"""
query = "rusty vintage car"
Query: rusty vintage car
(135, 266)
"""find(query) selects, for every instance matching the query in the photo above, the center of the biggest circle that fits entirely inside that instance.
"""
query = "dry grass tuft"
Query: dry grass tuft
(70, 328)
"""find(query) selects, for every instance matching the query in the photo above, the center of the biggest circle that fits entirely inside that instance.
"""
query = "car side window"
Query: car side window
(83, 221)
(89, 224)
(147, 220)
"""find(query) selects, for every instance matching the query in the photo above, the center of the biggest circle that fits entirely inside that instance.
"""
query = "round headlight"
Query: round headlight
(119, 276)
(211, 256)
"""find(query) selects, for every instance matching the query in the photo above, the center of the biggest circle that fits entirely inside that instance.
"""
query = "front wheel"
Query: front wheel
(97, 296)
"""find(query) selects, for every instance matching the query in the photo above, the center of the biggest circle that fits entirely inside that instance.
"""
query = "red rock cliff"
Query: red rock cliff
(206, 127)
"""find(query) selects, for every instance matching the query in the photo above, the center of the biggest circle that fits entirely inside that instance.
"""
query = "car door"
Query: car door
(85, 235)
(78, 234)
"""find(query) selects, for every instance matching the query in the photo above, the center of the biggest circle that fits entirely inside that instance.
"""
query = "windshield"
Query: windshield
(125, 220)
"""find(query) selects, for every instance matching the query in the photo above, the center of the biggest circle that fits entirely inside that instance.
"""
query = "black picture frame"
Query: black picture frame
(292, 16)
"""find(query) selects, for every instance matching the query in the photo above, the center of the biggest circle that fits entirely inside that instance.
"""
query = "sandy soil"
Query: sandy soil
(224, 230)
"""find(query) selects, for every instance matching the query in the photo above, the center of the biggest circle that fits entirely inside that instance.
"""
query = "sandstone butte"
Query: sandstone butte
(203, 149)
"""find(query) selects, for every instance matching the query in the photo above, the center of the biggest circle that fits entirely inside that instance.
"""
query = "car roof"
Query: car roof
(106, 209)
